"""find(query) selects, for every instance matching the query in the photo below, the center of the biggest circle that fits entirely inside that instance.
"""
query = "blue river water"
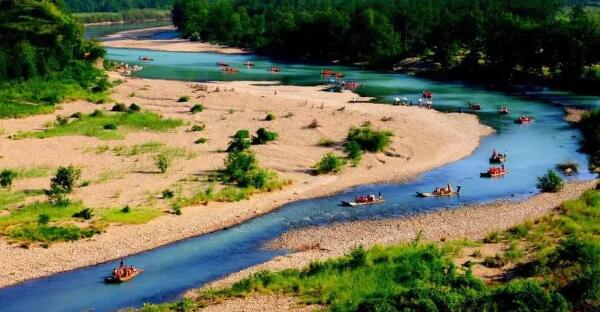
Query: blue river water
(171, 269)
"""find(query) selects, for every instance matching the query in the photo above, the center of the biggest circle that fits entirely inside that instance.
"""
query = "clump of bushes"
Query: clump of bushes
(110, 126)
(198, 127)
(77, 115)
(61, 184)
(201, 141)
(326, 142)
(162, 162)
(590, 127)
(167, 194)
(126, 209)
(551, 182)
(270, 117)
(85, 214)
(330, 163)
(239, 142)
(242, 169)
(263, 136)
(61, 120)
(134, 108)
(183, 99)
(7, 177)
(96, 113)
(198, 108)
(119, 107)
(369, 140)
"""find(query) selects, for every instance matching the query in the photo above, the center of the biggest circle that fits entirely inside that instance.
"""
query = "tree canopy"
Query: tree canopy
(116, 5)
(501, 39)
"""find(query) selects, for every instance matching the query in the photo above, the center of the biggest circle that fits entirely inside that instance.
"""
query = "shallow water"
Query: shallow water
(191, 263)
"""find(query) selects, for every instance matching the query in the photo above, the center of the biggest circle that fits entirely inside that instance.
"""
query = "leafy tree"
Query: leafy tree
(65, 179)
(551, 182)
(330, 163)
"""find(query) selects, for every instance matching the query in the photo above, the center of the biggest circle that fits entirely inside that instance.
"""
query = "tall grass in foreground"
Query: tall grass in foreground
(94, 125)
(560, 273)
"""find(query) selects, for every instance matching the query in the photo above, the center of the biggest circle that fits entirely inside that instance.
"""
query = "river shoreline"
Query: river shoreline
(468, 222)
(243, 105)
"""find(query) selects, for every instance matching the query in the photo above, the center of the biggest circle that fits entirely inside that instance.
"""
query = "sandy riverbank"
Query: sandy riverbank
(470, 222)
(424, 139)
(138, 39)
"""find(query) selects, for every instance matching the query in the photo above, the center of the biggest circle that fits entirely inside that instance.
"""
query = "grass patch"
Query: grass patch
(49, 234)
(326, 142)
(128, 216)
(94, 125)
(29, 214)
(32, 172)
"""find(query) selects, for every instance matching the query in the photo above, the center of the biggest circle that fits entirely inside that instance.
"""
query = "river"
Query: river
(172, 269)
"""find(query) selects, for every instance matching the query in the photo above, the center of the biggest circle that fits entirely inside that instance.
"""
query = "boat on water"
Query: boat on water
(427, 94)
(473, 106)
(364, 200)
(249, 64)
(229, 69)
(123, 274)
(222, 64)
(494, 172)
(524, 120)
(503, 110)
(441, 192)
(145, 58)
(498, 158)
(274, 69)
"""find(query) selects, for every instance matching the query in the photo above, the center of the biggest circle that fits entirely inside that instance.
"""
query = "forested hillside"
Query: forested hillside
(497, 40)
(44, 58)
(116, 5)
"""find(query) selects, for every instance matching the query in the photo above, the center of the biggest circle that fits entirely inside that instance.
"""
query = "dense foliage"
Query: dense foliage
(115, 5)
(590, 126)
(550, 182)
(44, 58)
(487, 39)
(560, 273)
(132, 15)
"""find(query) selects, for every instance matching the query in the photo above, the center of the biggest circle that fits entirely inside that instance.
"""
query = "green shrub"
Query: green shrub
(368, 139)
(110, 126)
(326, 142)
(85, 214)
(353, 151)
(201, 141)
(238, 164)
(494, 262)
(177, 209)
(270, 117)
(551, 182)
(43, 219)
(119, 107)
(263, 136)
(77, 115)
(134, 108)
(65, 179)
(48, 234)
(239, 142)
(330, 163)
(184, 98)
(96, 113)
(126, 209)
(162, 162)
(198, 127)
(590, 127)
(198, 108)
(194, 37)
(167, 194)
(61, 120)
(6, 177)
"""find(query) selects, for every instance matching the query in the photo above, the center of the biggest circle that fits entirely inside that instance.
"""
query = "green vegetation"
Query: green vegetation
(369, 140)
(184, 98)
(590, 126)
(162, 162)
(560, 273)
(134, 108)
(242, 168)
(495, 41)
(116, 5)
(198, 108)
(45, 59)
(198, 127)
(85, 214)
(330, 163)
(326, 142)
(127, 215)
(6, 177)
(551, 182)
(119, 107)
(132, 15)
(239, 142)
(61, 185)
(270, 117)
(263, 136)
(94, 125)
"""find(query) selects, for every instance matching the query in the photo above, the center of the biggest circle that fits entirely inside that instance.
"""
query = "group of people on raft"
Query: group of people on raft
(330, 73)
(496, 170)
(368, 198)
(443, 190)
(497, 157)
(123, 271)
(524, 119)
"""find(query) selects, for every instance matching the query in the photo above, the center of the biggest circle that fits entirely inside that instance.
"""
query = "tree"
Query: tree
(6, 177)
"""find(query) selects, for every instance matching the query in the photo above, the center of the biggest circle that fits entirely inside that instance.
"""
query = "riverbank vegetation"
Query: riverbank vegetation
(106, 126)
(133, 15)
(45, 59)
(496, 41)
(116, 5)
(550, 264)
(590, 127)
